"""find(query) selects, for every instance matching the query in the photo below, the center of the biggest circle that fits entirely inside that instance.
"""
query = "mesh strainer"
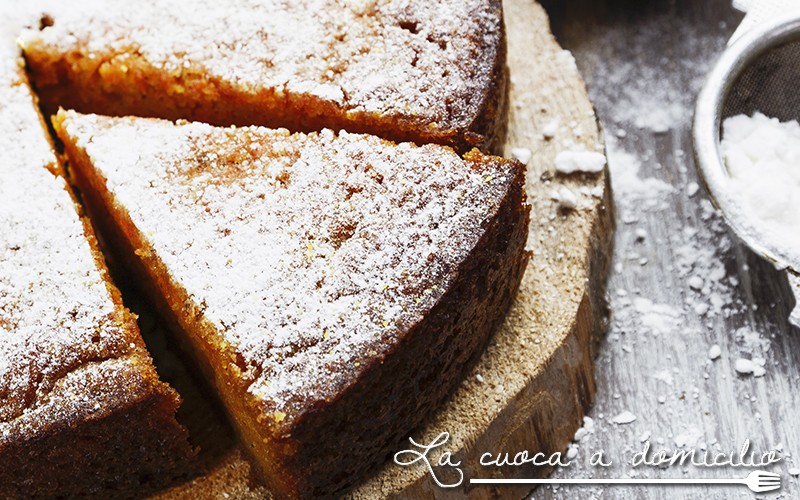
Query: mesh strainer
(760, 71)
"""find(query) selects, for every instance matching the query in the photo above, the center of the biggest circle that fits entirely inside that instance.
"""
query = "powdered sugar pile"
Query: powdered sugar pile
(763, 159)
(307, 280)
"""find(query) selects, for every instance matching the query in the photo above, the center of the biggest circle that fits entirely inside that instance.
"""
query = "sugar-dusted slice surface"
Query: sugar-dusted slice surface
(82, 411)
(334, 287)
(401, 69)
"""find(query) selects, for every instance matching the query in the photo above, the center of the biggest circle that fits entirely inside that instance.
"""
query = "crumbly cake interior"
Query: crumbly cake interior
(400, 69)
(334, 283)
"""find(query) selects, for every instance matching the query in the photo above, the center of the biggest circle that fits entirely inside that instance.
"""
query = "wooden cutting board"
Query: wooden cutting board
(533, 385)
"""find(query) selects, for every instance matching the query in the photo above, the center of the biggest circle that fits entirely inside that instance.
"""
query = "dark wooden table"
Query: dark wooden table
(681, 282)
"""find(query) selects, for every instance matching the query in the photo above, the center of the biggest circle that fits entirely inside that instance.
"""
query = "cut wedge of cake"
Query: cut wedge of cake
(400, 69)
(82, 411)
(333, 287)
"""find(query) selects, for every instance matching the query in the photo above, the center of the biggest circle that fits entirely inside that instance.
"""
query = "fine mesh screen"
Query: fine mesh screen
(770, 85)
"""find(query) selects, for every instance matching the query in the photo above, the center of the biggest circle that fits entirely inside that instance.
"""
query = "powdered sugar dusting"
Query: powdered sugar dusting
(401, 58)
(306, 297)
(643, 96)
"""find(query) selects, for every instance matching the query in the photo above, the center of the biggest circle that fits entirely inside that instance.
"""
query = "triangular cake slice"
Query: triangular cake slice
(401, 69)
(82, 411)
(334, 287)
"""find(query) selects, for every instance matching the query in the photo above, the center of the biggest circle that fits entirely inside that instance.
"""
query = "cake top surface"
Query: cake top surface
(405, 58)
(311, 253)
(56, 313)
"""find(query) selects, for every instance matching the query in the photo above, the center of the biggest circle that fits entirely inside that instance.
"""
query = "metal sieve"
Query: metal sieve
(759, 71)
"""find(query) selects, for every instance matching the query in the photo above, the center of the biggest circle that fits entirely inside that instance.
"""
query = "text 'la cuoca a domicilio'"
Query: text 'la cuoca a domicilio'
(646, 457)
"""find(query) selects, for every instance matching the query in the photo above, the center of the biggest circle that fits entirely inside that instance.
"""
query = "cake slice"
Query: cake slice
(333, 287)
(82, 411)
(400, 69)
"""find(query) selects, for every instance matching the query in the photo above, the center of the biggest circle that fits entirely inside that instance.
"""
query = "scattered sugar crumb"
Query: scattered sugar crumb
(689, 437)
(752, 340)
(664, 376)
(586, 429)
(657, 318)
(749, 367)
(696, 283)
(623, 418)
(566, 198)
(701, 308)
(572, 451)
(549, 130)
(714, 353)
(633, 192)
(522, 154)
(570, 162)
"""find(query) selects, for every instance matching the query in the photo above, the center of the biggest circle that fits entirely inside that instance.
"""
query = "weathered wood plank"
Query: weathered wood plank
(643, 63)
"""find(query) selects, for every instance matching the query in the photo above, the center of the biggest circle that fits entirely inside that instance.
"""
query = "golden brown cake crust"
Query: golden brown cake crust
(385, 387)
(406, 70)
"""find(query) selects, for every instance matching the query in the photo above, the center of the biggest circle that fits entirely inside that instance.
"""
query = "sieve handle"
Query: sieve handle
(760, 11)
(794, 283)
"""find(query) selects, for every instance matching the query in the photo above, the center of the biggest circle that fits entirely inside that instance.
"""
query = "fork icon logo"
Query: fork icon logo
(758, 481)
